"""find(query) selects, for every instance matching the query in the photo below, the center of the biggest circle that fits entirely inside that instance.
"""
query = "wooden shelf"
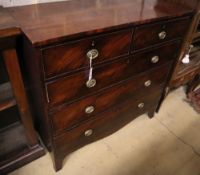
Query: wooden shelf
(13, 141)
(6, 96)
(196, 36)
(14, 148)
(7, 104)
(194, 65)
(197, 33)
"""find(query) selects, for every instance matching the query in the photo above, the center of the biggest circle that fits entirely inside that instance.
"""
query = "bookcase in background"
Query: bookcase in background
(18, 140)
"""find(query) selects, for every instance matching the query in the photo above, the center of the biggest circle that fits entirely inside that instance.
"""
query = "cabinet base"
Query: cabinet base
(23, 158)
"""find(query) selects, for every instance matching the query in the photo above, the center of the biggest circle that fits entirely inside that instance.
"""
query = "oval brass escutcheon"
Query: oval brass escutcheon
(155, 59)
(141, 105)
(88, 132)
(92, 54)
(91, 83)
(147, 83)
(89, 109)
(162, 35)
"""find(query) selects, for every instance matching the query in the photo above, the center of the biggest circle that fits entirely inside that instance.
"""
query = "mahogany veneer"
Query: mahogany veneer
(135, 45)
(50, 23)
(147, 35)
(107, 46)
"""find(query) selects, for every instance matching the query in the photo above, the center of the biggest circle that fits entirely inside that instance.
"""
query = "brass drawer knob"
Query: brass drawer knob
(147, 83)
(91, 83)
(155, 59)
(162, 35)
(92, 54)
(141, 105)
(89, 109)
(88, 132)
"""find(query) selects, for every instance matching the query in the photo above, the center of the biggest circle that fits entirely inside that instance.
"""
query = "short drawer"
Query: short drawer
(151, 34)
(72, 56)
(70, 115)
(105, 123)
(67, 89)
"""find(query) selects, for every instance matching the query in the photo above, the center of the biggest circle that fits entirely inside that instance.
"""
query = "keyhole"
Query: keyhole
(127, 61)
(93, 43)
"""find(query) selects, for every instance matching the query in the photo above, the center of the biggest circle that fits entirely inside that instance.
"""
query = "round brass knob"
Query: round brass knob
(92, 54)
(162, 35)
(147, 83)
(89, 109)
(141, 105)
(155, 59)
(91, 83)
(88, 132)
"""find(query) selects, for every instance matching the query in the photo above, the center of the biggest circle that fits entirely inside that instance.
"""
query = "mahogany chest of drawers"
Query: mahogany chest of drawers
(95, 65)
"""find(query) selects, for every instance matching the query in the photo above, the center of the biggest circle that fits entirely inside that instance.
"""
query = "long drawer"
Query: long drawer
(70, 115)
(158, 33)
(74, 87)
(73, 55)
(101, 126)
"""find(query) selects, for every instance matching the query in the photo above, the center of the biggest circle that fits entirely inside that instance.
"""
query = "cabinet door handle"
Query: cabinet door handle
(89, 109)
(92, 54)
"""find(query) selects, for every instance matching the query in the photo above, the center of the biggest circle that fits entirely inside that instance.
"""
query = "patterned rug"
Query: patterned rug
(194, 97)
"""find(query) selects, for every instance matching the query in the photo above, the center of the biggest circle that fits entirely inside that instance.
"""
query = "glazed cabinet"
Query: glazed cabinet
(18, 139)
(187, 68)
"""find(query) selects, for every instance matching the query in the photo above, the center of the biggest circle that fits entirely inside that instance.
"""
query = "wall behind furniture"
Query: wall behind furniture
(8, 3)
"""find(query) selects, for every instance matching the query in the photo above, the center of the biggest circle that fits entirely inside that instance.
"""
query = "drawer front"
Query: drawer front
(148, 35)
(70, 88)
(104, 124)
(84, 109)
(73, 56)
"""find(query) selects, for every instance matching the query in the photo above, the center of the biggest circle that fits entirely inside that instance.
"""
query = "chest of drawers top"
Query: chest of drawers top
(49, 23)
